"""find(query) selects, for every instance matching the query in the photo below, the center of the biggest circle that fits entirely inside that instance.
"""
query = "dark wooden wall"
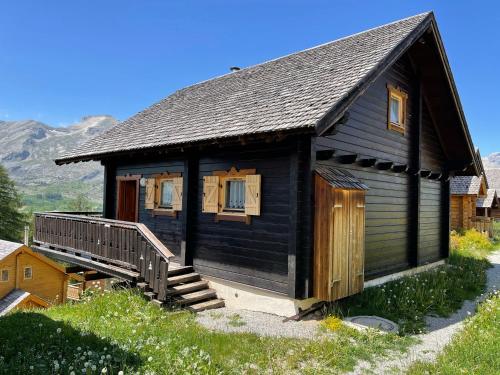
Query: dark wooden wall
(168, 229)
(255, 253)
(394, 199)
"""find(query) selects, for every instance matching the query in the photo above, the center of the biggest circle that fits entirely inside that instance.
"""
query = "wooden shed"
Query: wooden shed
(301, 177)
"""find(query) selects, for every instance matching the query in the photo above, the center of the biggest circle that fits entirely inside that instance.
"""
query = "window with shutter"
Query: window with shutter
(232, 195)
(177, 194)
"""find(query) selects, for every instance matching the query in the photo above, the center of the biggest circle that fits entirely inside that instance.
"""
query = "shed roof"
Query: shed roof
(466, 185)
(289, 93)
(7, 248)
(339, 178)
(491, 200)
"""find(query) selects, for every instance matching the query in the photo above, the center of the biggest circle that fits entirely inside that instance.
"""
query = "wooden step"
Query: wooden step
(200, 295)
(143, 286)
(188, 277)
(179, 270)
(207, 305)
(150, 295)
(187, 288)
(157, 302)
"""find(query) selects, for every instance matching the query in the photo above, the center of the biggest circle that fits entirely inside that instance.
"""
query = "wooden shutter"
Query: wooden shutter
(252, 194)
(149, 201)
(177, 194)
(210, 194)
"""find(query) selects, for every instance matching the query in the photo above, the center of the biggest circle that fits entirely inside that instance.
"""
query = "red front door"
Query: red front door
(127, 200)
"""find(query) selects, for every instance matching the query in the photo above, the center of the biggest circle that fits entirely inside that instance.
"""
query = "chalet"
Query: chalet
(28, 279)
(465, 191)
(493, 176)
(300, 179)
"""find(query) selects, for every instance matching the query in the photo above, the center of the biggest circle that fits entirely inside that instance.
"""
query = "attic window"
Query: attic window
(4, 276)
(28, 273)
(396, 111)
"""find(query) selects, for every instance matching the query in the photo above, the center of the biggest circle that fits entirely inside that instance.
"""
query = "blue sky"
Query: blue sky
(61, 60)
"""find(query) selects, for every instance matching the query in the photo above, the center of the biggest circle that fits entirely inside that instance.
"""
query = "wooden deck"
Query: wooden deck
(126, 250)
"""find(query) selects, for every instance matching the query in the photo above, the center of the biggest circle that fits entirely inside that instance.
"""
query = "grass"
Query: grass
(437, 292)
(128, 334)
(475, 350)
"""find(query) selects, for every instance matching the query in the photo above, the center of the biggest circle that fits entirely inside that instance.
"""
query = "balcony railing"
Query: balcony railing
(108, 245)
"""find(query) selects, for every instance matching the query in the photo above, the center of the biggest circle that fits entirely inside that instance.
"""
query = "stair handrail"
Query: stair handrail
(141, 228)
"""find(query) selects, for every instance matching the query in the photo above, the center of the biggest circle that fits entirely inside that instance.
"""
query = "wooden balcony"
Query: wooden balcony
(117, 248)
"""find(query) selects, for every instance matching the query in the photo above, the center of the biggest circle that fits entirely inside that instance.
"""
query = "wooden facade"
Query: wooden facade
(398, 133)
(35, 274)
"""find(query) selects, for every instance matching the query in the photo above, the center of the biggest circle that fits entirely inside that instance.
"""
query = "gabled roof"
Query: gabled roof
(291, 92)
(491, 200)
(15, 297)
(468, 185)
(8, 248)
(306, 91)
(339, 178)
(493, 176)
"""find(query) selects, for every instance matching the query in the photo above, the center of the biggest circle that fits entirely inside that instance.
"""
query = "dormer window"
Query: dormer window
(396, 113)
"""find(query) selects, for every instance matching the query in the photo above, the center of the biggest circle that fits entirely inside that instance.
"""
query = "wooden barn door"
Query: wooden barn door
(339, 239)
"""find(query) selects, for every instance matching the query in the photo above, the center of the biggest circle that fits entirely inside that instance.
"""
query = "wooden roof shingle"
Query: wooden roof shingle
(294, 92)
(491, 200)
(466, 185)
(339, 178)
(7, 248)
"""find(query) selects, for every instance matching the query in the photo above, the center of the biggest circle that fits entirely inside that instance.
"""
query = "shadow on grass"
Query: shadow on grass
(31, 342)
(439, 292)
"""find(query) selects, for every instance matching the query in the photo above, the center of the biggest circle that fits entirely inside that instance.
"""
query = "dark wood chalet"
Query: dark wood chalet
(301, 177)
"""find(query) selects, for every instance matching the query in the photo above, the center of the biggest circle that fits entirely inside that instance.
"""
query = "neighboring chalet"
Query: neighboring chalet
(465, 191)
(493, 175)
(28, 279)
(487, 205)
(295, 180)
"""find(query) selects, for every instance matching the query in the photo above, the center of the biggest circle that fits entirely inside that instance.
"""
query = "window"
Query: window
(164, 194)
(232, 195)
(235, 195)
(396, 113)
(28, 273)
(165, 200)
(4, 276)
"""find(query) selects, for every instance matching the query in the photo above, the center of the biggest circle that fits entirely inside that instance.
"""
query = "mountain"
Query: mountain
(28, 149)
(492, 160)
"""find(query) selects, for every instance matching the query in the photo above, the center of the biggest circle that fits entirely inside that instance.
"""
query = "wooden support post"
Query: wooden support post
(189, 210)
(109, 190)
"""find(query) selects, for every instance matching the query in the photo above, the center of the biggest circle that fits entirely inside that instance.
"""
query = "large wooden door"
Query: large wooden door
(127, 200)
(339, 239)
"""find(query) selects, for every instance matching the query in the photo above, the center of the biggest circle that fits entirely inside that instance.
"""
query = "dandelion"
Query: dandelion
(59, 330)
(120, 372)
(79, 348)
(104, 370)
(150, 359)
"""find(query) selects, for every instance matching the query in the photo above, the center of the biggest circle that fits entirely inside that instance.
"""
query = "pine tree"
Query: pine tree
(11, 219)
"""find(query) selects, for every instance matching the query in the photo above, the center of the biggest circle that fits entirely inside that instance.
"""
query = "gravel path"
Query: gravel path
(228, 320)
(440, 332)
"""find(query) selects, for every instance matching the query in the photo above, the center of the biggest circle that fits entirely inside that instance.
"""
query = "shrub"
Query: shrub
(471, 243)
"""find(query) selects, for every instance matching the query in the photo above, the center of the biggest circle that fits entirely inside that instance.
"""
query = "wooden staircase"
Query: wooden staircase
(186, 289)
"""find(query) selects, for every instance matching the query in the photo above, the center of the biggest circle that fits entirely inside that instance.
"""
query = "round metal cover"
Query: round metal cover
(374, 322)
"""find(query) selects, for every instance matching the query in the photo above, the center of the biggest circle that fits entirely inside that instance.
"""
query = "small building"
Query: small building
(493, 175)
(29, 279)
(303, 178)
(465, 191)
(486, 205)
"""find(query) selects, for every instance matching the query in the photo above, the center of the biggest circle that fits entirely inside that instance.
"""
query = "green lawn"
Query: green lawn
(476, 349)
(121, 331)
(440, 291)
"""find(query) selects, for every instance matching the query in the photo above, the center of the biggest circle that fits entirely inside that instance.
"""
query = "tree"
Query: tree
(12, 220)
(80, 204)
